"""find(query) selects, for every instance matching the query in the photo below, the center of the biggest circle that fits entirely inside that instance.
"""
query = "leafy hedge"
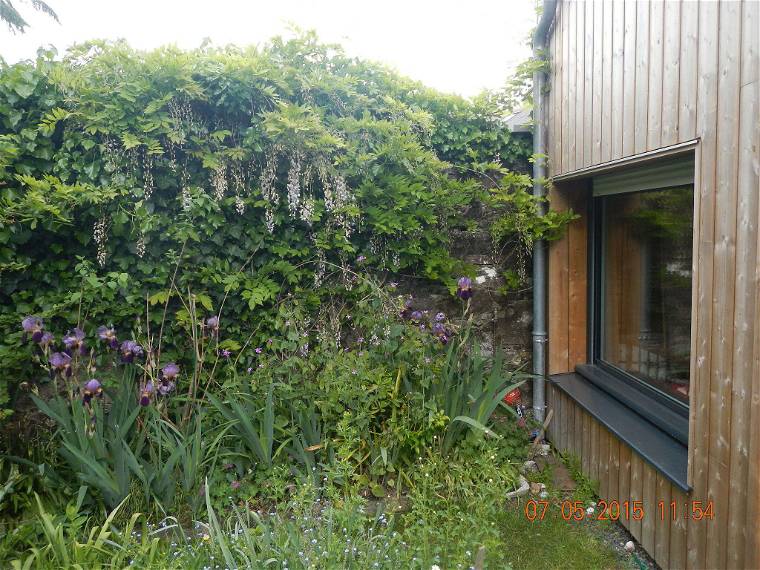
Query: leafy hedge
(241, 174)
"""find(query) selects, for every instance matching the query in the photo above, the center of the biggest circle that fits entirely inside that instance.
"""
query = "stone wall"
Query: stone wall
(502, 321)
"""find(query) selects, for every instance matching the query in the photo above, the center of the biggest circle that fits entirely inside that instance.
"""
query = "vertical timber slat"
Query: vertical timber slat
(654, 119)
(724, 255)
(670, 72)
(624, 482)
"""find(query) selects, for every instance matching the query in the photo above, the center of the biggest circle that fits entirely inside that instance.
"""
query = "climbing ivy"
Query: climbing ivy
(243, 175)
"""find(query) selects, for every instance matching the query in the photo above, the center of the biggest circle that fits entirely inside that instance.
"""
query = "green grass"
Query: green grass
(553, 543)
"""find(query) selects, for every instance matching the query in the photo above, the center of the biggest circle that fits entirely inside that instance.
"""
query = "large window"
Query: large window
(646, 287)
(643, 274)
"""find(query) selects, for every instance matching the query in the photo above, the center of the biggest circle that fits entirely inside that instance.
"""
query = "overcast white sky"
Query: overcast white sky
(455, 46)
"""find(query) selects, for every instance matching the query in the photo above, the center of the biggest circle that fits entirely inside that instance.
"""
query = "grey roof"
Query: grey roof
(521, 121)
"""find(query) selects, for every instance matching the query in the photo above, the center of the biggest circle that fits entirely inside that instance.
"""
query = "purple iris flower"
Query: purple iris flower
(129, 350)
(213, 323)
(166, 387)
(61, 363)
(168, 374)
(91, 389)
(33, 326)
(146, 393)
(440, 317)
(170, 371)
(74, 341)
(464, 288)
(407, 310)
(416, 316)
(439, 329)
(47, 339)
(108, 335)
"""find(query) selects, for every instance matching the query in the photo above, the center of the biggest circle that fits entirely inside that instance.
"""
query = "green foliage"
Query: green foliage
(258, 173)
(257, 435)
(519, 210)
(13, 18)
(468, 392)
(98, 446)
(454, 515)
(585, 489)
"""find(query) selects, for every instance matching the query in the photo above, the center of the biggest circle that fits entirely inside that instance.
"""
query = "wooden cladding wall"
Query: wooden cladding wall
(622, 476)
(629, 77)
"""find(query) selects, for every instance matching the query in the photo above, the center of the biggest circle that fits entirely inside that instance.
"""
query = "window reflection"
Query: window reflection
(646, 284)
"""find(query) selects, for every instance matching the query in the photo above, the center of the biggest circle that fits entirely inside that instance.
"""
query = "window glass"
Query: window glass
(646, 286)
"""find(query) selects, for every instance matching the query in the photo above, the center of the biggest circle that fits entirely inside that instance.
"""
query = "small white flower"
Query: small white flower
(590, 511)
(435, 567)
(629, 546)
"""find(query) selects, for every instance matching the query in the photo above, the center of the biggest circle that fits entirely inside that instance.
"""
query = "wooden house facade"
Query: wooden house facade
(652, 125)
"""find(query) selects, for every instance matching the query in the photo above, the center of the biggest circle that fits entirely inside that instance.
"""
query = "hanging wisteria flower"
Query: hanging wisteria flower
(146, 393)
(47, 339)
(108, 335)
(91, 389)
(464, 288)
(32, 326)
(213, 323)
(74, 341)
(61, 363)
(129, 350)
(440, 317)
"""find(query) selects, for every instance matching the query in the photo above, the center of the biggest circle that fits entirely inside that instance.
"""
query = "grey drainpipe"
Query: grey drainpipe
(539, 247)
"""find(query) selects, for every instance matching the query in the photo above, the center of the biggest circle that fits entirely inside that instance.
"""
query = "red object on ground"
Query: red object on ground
(512, 398)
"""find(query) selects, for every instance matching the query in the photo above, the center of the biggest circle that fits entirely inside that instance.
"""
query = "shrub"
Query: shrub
(258, 172)
(358, 408)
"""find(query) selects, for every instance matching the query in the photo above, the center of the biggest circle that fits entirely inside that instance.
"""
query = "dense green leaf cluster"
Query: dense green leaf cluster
(250, 173)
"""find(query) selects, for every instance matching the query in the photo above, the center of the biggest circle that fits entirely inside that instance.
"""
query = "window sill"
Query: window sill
(657, 447)
(666, 417)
